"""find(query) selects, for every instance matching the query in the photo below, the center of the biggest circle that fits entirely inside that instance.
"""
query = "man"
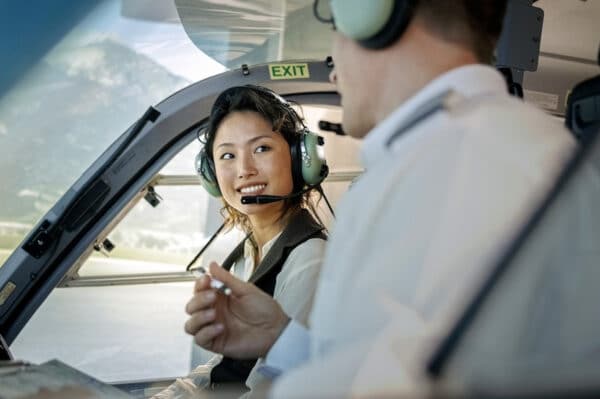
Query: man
(453, 165)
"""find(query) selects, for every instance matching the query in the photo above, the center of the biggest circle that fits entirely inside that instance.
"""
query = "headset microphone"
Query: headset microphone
(332, 127)
(267, 199)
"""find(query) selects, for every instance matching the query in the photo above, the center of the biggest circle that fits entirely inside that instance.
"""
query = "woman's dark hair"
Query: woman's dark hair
(283, 120)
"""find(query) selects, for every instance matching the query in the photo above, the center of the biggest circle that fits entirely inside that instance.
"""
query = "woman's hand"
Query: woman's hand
(243, 325)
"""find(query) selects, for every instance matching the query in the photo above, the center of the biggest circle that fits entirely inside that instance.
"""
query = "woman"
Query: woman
(256, 144)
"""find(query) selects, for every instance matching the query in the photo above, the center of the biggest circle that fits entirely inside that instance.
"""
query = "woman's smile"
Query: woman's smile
(252, 189)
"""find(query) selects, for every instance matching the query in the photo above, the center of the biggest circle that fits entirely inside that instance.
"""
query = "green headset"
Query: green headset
(374, 24)
(309, 167)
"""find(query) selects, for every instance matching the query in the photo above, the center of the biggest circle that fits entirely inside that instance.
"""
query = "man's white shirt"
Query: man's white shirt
(417, 231)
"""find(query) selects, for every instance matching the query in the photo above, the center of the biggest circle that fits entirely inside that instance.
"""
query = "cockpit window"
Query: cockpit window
(81, 96)
(254, 32)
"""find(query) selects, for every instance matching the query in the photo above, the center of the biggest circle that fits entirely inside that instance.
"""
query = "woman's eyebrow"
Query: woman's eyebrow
(257, 138)
(252, 140)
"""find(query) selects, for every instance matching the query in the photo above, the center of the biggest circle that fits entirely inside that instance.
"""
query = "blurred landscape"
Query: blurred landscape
(46, 145)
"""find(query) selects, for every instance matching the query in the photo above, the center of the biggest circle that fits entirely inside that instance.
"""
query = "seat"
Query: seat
(582, 116)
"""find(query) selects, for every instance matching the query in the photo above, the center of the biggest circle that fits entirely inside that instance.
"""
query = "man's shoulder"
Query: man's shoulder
(502, 117)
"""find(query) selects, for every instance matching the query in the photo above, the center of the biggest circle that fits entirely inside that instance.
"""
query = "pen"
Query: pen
(214, 283)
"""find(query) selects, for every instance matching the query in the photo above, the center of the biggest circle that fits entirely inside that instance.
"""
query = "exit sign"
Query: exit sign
(289, 71)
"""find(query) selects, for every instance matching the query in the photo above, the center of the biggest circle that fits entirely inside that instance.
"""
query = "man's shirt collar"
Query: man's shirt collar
(468, 81)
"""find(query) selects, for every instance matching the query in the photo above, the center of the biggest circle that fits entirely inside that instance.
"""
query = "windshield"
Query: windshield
(123, 57)
(253, 32)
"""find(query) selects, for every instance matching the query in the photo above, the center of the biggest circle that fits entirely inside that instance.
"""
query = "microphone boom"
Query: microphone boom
(267, 199)
(262, 199)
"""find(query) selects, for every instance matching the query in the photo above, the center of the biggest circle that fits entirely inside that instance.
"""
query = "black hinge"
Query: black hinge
(84, 208)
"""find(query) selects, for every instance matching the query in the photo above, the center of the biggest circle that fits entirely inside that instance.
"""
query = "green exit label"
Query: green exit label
(289, 71)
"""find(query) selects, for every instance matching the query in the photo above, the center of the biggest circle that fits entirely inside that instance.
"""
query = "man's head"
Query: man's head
(402, 46)
(474, 24)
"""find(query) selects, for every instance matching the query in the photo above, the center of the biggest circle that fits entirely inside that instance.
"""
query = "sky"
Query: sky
(164, 42)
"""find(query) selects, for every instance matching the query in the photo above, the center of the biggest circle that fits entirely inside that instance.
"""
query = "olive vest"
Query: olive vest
(301, 227)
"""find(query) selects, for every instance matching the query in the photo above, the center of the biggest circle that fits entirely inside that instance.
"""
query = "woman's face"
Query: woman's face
(251, 159)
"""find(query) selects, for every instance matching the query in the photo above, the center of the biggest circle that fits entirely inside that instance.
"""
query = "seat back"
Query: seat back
(583, 109)
(582, 115)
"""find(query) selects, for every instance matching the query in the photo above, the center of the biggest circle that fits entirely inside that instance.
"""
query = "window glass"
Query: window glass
(134, 331)
(183, 162)
(81, 96)
(155, 239)
(254, 32)
(164, 238)
(117, 333)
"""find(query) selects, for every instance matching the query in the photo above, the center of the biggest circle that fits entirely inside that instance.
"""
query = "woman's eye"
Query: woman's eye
(226, 155)
(262, 148)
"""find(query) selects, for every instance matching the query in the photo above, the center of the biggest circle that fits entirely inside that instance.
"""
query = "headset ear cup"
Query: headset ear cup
(314, 165)
(375, 26)
(206, 173)
(296, 155)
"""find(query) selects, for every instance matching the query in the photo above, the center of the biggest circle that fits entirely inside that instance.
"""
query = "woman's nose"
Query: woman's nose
(246, 166)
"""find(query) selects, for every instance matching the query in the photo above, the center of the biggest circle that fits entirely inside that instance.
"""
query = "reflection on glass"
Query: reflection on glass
(253, 32)
(80, 97)
(155, 239)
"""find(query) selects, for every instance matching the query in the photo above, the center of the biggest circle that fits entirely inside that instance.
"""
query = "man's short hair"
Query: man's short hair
(476, 24)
